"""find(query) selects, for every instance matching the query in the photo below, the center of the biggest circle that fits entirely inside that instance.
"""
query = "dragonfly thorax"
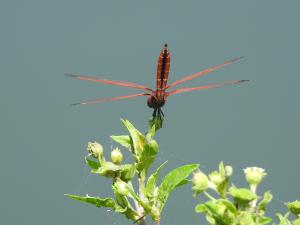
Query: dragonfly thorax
(155, 102)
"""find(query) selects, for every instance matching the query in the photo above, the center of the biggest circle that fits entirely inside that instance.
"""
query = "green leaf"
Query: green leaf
(218, 212)
(96, 201)
(151, 183)
(107, 169)
(245, 219)
(242, 195)
(222, 187)
(127, 172)
(111, 170)
(157, 122)
(91, 163)
(137, 139)
(264, 220)
(121, 199)
(183, 182)
(296, 222)
(222, 169)
(171, 180)
(229, 205)
(123, 189)
(119, 209)
(266, 200)
(123, 202)
(211, 220)
(201, 208)
(151, 132)
(283, 219)
(123, 140)
(147, 155)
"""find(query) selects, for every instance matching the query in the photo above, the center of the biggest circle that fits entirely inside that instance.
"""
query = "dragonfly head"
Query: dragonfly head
(154, 102)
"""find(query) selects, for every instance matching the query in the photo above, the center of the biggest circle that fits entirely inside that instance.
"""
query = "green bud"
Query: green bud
(116, 156)
(200, 182)
(294, 207)
(228, 170)
(254, 175)
(242, 195)
(95, 149)
(122, 188)
(216, 178)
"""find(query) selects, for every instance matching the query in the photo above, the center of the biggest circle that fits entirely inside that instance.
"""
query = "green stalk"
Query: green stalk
(140, 210)
(157, 222)
(253, 190)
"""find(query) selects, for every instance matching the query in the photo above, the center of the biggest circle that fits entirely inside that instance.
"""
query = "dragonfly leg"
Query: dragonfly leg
(154, 113)
(161, 112)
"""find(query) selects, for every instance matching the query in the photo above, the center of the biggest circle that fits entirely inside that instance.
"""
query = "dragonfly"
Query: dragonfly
(158, 97)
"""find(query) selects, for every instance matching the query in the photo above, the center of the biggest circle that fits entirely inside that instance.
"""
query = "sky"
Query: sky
(43, 139)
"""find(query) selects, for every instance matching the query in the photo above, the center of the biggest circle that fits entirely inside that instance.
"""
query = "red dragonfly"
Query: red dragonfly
(157, 98)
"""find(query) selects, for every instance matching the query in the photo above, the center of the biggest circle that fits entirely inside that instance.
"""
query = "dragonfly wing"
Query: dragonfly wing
(111, 82)
(110, 99)
(181, 90)
(201, 73)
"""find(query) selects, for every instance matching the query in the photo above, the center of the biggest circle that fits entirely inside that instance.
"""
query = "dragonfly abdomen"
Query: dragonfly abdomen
(163, 67)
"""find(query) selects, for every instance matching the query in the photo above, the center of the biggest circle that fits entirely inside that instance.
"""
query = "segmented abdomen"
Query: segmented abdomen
(163, 67)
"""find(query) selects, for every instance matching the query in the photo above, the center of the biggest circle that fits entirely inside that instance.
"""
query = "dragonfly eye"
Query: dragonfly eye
(150, 102)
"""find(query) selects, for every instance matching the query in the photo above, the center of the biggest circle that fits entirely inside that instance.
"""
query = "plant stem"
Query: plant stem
(253, 190)
(140, 210)
(142, 179)
(157, 222)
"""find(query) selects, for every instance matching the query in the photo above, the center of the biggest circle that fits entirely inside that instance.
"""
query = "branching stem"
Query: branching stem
(140, 210)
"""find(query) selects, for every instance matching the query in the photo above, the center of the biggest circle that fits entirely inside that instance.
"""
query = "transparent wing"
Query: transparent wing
(110, 99)
(111, 82)
(201, 73)
(181, 90)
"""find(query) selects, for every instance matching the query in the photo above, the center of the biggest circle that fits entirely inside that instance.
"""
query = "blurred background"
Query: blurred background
(43, 139)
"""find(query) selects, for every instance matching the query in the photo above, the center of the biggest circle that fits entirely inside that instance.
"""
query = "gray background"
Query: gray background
(43, 139)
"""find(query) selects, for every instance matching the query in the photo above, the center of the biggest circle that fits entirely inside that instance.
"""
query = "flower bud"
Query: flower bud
(200, 182)
(254, 175)
(95, 149)
(228, 170)
(216, 178)
(122, 188)
(116, 156)
(294, 207)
